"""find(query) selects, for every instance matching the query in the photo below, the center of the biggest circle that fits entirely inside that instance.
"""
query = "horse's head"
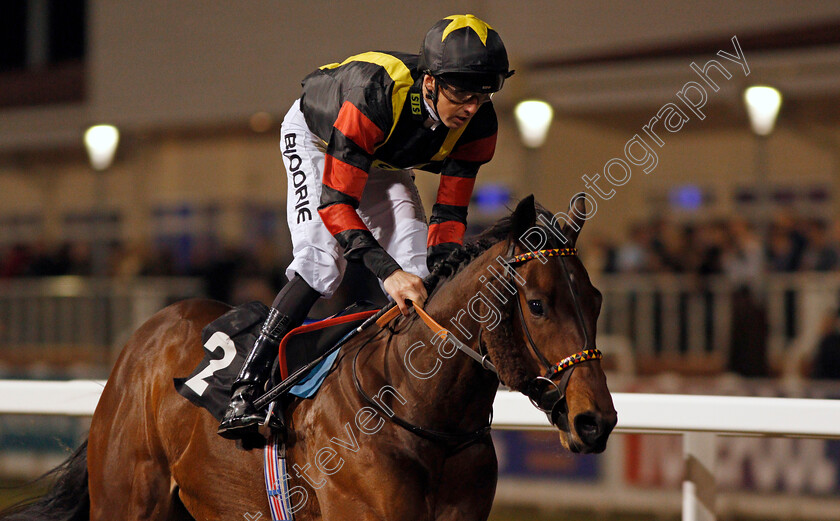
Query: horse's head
(552, 324)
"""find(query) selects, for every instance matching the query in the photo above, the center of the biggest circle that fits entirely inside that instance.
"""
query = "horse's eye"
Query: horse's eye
(536, 308)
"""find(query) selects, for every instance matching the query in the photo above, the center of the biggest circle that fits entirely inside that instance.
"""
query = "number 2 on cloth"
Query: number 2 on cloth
(218, 340)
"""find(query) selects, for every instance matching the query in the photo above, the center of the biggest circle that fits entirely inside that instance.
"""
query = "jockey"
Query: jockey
(349, 146)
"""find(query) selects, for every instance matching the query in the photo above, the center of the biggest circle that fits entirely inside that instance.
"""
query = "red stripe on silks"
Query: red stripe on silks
(455, 191)
(281, 359)
(480, 150)
(271, 461)
(269, 476)
(344, 177)
(358, 127)
(449, 231)
(341, 217)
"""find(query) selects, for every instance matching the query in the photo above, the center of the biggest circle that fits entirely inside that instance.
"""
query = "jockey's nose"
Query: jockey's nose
(471, 108)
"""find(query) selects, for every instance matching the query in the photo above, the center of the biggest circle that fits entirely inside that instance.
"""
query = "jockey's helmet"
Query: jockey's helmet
(465, 52)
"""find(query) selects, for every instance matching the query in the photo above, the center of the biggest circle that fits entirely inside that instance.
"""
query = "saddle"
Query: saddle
(228, 339)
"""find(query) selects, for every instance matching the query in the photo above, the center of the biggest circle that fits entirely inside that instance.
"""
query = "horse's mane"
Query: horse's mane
(444, 270)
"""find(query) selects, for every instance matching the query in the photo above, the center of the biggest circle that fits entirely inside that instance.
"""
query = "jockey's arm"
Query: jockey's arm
(457, 180)
(348, 160)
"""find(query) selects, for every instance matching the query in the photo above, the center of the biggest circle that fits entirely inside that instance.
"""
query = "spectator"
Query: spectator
(709, 245)
(827, 360)
(634, 256)
(131, 261)
(16, 262)
(669, 247)
(42, 262)
(743, 261)
(79, 259)
(782, 252)
(743, 264)
(820, 254)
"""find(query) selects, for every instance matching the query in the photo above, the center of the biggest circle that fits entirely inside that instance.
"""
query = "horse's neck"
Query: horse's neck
(459, 394)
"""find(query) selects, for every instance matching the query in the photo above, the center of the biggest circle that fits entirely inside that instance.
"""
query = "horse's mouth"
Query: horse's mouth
(576, 447)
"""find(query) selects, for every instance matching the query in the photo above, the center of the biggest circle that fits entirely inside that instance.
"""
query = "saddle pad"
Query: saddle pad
(229, 338)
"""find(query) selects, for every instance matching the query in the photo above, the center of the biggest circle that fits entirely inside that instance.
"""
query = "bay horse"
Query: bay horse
(152, 455)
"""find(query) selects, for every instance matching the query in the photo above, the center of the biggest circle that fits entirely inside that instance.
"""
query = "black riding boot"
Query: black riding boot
(241, 417)
(288, 311)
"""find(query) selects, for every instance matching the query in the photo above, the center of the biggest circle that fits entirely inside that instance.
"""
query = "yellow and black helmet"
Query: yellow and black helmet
(465, 52)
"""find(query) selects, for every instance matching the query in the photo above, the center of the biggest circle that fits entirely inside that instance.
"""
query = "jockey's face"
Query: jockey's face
(455, 107)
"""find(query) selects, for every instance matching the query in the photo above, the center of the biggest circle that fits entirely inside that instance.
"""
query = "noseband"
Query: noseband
(545, 393)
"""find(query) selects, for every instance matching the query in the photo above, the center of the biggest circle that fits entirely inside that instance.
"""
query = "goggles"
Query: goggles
(460, 96)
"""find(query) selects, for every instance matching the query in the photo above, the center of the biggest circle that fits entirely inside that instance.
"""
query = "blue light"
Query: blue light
(687, 197)
(491, 197)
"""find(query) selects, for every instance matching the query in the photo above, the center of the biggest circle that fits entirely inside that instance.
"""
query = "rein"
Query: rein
(546, 394)
(443, 333)
(456, 441)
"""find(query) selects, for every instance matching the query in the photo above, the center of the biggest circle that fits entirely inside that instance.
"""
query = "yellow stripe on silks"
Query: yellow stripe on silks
(398, 72)
(449, 143)
(382, 165)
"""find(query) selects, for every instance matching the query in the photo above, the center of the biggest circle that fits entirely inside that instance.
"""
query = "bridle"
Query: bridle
(545, 393)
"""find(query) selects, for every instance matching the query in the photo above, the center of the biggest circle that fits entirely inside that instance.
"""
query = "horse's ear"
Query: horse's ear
(577, 214)
(524, 217)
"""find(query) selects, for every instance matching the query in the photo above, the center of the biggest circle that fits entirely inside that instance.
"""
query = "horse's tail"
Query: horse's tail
(68, 498)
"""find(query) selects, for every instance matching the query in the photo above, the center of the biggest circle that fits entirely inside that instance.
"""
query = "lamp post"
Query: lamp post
(101, 143)
(533, 118)
(763, 104)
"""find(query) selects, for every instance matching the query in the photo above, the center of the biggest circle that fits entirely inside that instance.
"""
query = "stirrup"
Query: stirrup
(274, 422)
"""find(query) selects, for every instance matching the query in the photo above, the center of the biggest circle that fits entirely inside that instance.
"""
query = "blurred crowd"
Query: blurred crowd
(742, 253)
(230, 274)
(733, 247)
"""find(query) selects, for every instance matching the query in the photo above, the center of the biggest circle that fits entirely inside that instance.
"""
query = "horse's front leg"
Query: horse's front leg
(378, 479)
(379, 494)
(468, 484)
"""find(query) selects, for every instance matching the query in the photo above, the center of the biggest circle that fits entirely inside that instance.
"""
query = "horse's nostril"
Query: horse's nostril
(593, 429)
(587, 427)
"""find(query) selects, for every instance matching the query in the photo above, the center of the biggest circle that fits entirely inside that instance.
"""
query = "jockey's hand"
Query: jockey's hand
(402, 285)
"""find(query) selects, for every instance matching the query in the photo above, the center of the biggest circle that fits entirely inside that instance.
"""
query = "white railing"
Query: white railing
(678, 318)
(700, 419)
